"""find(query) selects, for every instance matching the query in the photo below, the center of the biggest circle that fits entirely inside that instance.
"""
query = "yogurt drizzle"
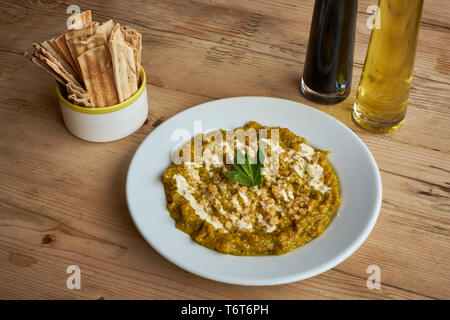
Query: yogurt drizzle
(185, 190)
(301, 167)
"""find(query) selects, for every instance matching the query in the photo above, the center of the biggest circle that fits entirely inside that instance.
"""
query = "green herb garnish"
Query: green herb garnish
(247, 173)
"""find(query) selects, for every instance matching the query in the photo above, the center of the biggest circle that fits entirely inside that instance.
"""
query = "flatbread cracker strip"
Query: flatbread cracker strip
(78, 96)
(62, 46)
(116, 33)
(80, 101)
(79, 33)
(41, 51)
(124, 69)
(79, 46)
(78, 91)
(81, 20)
(54, 67)
(105, 29)
(134, 38)
(47, 45)
(134, 42)
(82, 96)
(136, 66)
(82, 33)
(53, 43)
(98, 76)
(43, 66)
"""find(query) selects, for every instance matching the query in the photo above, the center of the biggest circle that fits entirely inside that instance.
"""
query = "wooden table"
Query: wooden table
(62, 200)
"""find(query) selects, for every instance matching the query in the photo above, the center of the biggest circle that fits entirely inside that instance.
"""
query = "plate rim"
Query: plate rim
(279, 280)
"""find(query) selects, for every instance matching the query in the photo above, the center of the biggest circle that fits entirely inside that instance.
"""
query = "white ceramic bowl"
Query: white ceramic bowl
(108, 123)
(357, 170)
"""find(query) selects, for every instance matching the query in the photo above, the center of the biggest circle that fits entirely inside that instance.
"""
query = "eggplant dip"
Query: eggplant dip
(244, 198)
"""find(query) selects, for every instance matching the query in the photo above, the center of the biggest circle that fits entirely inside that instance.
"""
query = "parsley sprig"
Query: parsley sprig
(247, 173)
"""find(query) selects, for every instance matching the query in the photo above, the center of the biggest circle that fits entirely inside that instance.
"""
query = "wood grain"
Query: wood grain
(62, 200)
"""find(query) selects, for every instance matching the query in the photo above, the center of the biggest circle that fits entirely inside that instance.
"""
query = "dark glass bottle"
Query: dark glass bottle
(327, 75)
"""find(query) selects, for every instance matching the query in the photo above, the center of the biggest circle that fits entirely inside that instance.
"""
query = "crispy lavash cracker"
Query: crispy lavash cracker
(80, 20)
(79, 102)
(45, 56)
(122, 56)
(116, 33)
(98, 77)
(75, 94)
(54, 67)
(73, 34)
(79, 33)
(134, 38)
(43, 59)
(52, 42)
(105, 29)
(50, 46)
(77, 91)
(136, 63)
(78, 96)
(81, 45)
(44, 67)
(61, 44)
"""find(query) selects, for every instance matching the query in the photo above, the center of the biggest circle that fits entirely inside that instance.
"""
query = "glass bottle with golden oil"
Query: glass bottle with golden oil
(327, 73)
(383, 90)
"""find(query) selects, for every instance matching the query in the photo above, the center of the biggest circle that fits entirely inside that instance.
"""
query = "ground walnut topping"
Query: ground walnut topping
(293, 204)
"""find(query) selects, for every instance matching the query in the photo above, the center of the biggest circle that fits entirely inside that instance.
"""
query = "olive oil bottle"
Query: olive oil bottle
(383, 90)
(327, 74)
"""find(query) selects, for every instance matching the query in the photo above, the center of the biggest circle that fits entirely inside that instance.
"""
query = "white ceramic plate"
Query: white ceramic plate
(353, 162)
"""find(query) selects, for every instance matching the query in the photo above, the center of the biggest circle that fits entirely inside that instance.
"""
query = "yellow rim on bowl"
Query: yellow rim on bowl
(113, 108)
